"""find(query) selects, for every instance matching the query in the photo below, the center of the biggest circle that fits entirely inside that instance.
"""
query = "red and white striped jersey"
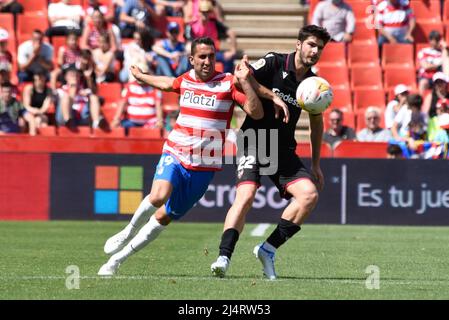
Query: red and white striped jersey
(394, 18)
(432, 56)
(205, 113)
(141, 102)
(79, 102)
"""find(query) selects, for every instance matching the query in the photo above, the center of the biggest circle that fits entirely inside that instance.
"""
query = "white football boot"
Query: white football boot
(109, 269)
(220, 266)
(267, 259)
(117, 242)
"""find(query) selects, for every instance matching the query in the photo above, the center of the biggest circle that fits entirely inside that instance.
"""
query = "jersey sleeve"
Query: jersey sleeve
(177, 84)
(264, 68)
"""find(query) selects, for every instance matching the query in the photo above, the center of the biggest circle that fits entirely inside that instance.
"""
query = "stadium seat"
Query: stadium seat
(395, 76)
(426, 11)
(352, 149)
(27, 23)
(446, 12)
(397, 55)
(170, 101)
(109, 111)
(80, 131)
(312, 5)
(363, 34)
(7, 22)
(110, 133)
(144, 133)
(364, 98)
(303, 150)
(363, 55)
(362, 9)
(57, 42)
(111, 92)
(348, 118)
(342, 100)
(49, 131)
(334, 54)
(422, 30)
(366, 78)
(336, 76)
(361, 123)
(35, 7)
(72, 2)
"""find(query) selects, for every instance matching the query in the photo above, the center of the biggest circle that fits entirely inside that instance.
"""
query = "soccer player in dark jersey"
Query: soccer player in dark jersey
(281, 73)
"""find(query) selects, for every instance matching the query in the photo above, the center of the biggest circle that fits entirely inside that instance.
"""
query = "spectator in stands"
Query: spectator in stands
(137, 15)
(37, 99)
(206, 25)
(442, 134)
(337, 17)
(107, 8)
(401, 123)
(5, 55)
(172, 59)
(34, 55)
(396, 21)
(337, 131)
(69, 54)
(394, 151)
(5, 77)
(191, 10)
(64, 17)
(11, 6)
(172, 8)
(104, 59)
(439, 93)
(77, 105)
(138, 50)
(401, 93)
(373, 132)
(12, 113)
(430, 61)
(87, 67)
(93, 30)
(140, 106)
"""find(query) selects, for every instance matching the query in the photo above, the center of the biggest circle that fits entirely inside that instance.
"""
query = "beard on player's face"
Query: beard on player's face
(307, 60)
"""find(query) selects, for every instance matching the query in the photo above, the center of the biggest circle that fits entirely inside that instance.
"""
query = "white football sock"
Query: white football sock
(141, 216)
(148, 233)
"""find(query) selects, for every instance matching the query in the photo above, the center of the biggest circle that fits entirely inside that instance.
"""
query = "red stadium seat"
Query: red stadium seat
(303, 150)
(426, 11)
(366, 78)
(361, 123)
(35, 7)
(109, 111)
(76, 132)
(362, 9)
(342, 100)
(336, 76)
(111, 92)
(333, 55)
(395, 76)
(27, 23)
(110, 133)
(446, 12)
(72, 2)
(422, 30)
(363, 55)
(49, 131)
(365, 98)
(363, 34)
(397, 55)
(7, 22)
(355, 149)
(170, 101)
(144, 133)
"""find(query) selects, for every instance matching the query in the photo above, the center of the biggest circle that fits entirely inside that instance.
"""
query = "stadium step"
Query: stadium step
(291, 33)
(257, 9)
(269, 21)
(245, 43)
(279, 2)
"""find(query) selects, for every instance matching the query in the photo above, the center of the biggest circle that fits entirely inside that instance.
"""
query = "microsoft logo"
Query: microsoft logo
(118, 190)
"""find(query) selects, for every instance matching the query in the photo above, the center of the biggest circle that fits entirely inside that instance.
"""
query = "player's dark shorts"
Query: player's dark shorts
(290, 170)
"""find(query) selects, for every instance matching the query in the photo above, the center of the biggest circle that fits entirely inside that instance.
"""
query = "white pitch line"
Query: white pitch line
(260, 229)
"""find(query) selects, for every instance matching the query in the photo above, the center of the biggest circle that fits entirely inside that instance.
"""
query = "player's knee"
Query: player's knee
(158, 198)
(310, 198)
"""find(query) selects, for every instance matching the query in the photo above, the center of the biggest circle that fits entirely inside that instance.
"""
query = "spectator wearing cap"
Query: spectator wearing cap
(337, 131)
(10, 6)
(5, 55)
(337, 17)
(439, 94)
(430, 61)
(64, 17)
(171, 59)
(396, 21)
(373, 131)
(401, 123)
(206, 25)
(401, 93)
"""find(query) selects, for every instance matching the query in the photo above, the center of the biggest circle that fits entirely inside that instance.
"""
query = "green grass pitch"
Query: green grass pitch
(321, 262)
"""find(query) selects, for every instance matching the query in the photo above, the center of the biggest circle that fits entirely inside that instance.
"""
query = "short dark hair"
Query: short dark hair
(394, 150)
(338, 111)
(203, 40)
(414, 100)
(86, 54)
(7, 84)
(314, 31)
(434, 35)
(40, 72)
(72, 33)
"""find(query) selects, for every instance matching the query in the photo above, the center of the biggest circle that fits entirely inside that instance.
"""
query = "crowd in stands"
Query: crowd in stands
(65, 63)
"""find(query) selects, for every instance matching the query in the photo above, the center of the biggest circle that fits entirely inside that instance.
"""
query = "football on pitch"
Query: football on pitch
(314, 95)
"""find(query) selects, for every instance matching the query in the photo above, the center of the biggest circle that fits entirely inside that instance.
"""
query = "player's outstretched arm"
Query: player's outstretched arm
(253, 106)
(316, 136)
(160, 82)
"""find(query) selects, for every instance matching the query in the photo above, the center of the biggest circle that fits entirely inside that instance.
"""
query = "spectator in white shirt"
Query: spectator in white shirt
(401, 93)
(64, 17)
(373, 132)
(337, 17)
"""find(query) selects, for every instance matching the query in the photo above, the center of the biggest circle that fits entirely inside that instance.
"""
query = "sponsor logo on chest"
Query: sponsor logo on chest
(189, 97)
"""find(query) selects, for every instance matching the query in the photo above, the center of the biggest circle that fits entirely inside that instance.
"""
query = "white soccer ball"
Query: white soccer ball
(314, 94)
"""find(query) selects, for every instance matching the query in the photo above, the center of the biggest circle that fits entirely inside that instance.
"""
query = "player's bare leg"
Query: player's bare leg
(305, 196)
(233, 226)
